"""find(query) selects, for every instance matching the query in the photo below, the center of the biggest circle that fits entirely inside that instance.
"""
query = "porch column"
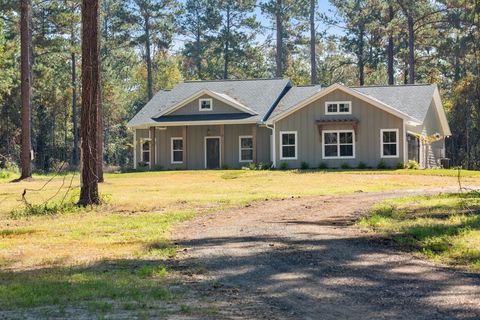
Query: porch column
(222, 145)
(153, 143)
(254, 142)
(185, 154)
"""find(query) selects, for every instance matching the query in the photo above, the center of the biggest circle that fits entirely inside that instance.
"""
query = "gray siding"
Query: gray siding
(195, 145)
(367, 145)
(219, 107)
(436, 150)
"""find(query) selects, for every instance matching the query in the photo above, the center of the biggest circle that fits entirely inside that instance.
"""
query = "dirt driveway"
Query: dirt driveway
(303, 259)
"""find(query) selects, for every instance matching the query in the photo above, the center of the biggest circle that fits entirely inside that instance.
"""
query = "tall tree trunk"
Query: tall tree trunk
(100, 142)
(198, 54)
(90, 102)
(313, 43)
(227, 44)
(148, 58)
(361, 55)
(411, 49)
(74, 110)
(26, 86)
(279, 34)
(390, 54)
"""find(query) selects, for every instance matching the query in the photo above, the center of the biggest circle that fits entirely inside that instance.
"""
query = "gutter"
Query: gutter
(274, 145)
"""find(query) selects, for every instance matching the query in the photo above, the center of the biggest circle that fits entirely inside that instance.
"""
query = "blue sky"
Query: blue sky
(324, 6)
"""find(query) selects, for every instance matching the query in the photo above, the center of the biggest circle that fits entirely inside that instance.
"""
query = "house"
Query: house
(230, 123)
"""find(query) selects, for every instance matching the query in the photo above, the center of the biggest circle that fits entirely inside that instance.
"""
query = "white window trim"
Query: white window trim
(397, 143)
(171, 150)
(338, 110)
(142, 142)
(219, 149)
(338, 144)
(240, 148)
(200, 104)
(281, 145)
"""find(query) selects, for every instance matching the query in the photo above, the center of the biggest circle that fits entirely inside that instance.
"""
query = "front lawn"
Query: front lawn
(444, 228)
(107, 261)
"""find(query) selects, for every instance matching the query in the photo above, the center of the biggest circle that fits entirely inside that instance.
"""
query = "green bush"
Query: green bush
(401, 165)
(362, 165)
(304, 165)
(265, 165)
(345, 166)
(323, 165)
(382, 165)
(283, 166)
(412, 164)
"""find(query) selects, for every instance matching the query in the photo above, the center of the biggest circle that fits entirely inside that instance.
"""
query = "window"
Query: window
(338, 144)
(177, 150)
(288, 145)
(146, 152)
(339, 107)
(389, 143)
(205, 104)
(246, 148)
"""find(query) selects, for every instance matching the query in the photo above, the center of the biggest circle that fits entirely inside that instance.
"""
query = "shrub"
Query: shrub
(412, 164)
(362, 165)
(304, 165)
(265, 165)
(225, 167)
(401, 165)
(382, 165)
(345, 166)
(323, 165)
(283, 166)
(7, 168)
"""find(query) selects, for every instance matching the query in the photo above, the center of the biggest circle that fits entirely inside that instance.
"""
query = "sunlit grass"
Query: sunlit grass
(444, 228)
(111, 258)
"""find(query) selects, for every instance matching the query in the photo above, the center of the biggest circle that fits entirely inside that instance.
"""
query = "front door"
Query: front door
(212, 152)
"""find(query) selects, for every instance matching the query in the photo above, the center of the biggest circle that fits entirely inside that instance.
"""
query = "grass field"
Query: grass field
(444, 228)
(114, 258)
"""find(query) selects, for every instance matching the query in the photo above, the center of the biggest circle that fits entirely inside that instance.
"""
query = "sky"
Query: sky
(324, 6)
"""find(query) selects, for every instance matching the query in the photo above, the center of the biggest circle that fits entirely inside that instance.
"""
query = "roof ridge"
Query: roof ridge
(394, 85)
(232, 80)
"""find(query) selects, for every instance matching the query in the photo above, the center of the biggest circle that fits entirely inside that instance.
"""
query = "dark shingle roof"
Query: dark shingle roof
(294, 96)
(206, 117)
(413, 100)
(258, 95)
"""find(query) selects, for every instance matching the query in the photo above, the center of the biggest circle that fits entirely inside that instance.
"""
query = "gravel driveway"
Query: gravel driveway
(302, 258)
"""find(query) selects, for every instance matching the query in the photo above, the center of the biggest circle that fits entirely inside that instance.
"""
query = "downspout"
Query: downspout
(135, 148)
(274, 145)
(405, 144)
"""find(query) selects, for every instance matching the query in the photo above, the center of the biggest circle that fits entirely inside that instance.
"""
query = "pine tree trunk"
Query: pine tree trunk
(313, 42)
(74, 110)
(390, 53)
(26, 86)
(100, 142)
(148, 58)
(279, 35)
(361, 56)
(411, 49)
(227, 44)
(90, 102)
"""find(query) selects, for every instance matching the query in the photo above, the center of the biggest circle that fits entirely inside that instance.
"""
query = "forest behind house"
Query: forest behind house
(151, 45)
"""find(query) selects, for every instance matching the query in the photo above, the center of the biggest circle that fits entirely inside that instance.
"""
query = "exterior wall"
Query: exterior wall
(367, 144)
(195, 145)
(219, 107)
(430, 155)
(141, 134)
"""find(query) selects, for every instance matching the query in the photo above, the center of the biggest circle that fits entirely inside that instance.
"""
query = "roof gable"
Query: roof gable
(295, 105)
(258, 96)
(212, 94)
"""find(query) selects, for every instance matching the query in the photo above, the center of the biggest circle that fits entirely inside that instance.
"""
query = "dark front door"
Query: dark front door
(212, 151)
(413, 148)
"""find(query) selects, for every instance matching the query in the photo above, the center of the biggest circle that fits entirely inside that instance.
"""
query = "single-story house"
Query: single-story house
(231, 123)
